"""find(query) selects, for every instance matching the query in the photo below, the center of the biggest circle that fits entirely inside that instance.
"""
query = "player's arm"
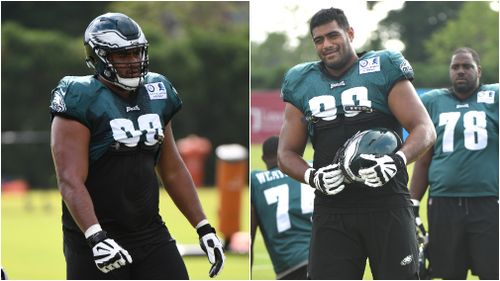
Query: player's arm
(411, 113)
(177, 180)
(70, 151)
(292, 142)
(254, 224)
(419, 180)
(180, 186)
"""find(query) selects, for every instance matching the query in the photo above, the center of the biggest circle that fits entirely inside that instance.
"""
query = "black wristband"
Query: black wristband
(398, 160)
(97, 237)
(311, 178)
(203, 230)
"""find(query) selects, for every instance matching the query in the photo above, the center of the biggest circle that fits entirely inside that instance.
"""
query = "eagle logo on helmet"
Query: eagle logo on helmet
(378, 141)
(115, 32)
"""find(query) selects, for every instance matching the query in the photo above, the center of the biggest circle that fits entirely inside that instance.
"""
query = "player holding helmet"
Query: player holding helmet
(110, 131)
(330, 101)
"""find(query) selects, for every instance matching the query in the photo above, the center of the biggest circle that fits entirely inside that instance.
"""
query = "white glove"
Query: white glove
(212, 246)
(328, 180)
(108, 255)
(384, 168)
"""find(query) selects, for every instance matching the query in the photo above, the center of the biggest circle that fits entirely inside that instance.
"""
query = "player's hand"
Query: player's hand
(212, 246)
(383, 169)
(328, 180)
(108, 255)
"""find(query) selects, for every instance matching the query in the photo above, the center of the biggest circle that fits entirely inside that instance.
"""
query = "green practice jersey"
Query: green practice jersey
(125, 141)
(465, 155)
(336, 108)
(111, 118)
(284, 209)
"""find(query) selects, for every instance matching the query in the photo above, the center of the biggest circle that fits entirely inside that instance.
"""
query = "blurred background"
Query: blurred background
(426, 32)
(201, 47)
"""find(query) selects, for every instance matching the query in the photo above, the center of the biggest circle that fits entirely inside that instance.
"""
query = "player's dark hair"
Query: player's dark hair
(467, 50)
(324, 16)
(270, 147)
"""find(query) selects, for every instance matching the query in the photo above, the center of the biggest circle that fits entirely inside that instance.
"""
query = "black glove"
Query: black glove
(212, 246)
(108, 255)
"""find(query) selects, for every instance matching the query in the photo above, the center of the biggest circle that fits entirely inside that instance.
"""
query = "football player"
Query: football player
(110, 132)
(330, 101)
(282, 207)
(461, 171)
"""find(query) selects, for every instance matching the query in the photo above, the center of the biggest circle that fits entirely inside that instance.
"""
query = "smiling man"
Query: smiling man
(329, 101)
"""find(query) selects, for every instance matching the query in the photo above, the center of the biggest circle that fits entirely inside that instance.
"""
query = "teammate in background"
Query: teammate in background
(462, 172)
(110, 131)
(330, 101)
(282, 208)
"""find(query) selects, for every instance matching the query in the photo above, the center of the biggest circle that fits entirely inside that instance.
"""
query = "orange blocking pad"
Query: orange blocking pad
(231, 176)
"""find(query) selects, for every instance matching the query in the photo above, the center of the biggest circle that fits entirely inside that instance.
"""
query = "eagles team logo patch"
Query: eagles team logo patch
(405, 66)
(156, 91)
(58, 104)
(486, 97)
(369, 65)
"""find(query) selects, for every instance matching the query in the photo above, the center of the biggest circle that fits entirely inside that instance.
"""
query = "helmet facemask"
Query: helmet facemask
(115, 33)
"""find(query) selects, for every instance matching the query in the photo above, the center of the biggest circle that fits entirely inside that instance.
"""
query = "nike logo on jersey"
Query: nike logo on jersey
(463, 105)
(135, 108)
(335, 85)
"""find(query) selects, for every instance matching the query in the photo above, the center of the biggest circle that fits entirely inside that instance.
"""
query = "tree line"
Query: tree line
(430, 31)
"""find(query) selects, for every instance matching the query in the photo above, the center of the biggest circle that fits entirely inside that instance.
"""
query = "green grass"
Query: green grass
(262, 268)
(32, 235)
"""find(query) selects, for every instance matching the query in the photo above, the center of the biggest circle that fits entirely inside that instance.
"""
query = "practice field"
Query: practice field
(262, 268)
(32, 235)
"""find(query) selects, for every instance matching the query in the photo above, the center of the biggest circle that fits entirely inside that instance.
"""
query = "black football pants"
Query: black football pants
(463, 234)
(341, 243)
(151, 262)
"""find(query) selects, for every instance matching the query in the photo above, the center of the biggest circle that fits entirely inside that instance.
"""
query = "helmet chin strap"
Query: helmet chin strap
(128, 83)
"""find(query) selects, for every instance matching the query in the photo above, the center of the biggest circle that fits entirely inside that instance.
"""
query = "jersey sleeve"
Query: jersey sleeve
(163, 95)
(69, 100)
(293, 87)
(288, 84)
(398, 68)
(173, 96)
(428, 99)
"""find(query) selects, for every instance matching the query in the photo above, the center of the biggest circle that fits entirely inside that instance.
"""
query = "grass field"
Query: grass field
(262, 268)
(32, 236)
